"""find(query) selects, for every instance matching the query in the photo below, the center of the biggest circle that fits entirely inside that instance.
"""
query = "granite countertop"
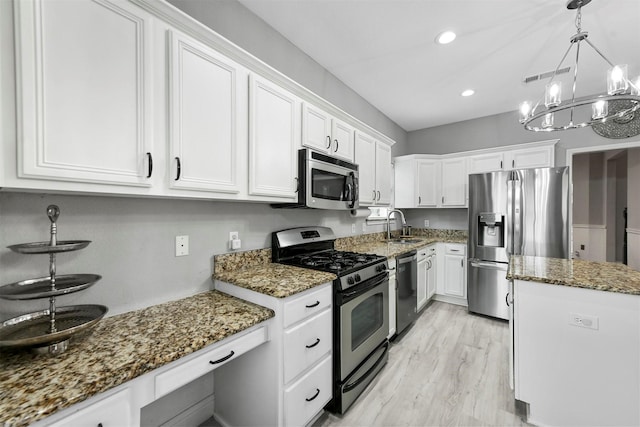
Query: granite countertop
(276, 280)
(390, 250)
(601, 276)
(118, 349)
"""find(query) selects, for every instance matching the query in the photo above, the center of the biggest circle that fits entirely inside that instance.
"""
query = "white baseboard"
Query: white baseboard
(195, 415)
(221, 420)
(450, 300)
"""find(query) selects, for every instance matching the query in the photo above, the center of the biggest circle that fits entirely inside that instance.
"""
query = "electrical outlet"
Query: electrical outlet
(426, 222)
(182, 245)
(353, 228)
(584, 321)
(234, 235)
(582, 247)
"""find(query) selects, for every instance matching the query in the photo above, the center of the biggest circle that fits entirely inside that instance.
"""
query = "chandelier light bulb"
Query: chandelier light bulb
(599, 110)
(548, 121)
(552, 95)
(525, 111)
(617, 79)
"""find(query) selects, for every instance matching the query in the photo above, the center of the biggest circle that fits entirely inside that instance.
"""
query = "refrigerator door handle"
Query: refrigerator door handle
(492, 265)
(518, 203)
(510, 189)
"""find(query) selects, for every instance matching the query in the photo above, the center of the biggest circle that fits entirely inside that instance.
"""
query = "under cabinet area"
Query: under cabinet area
(374, 167)
(289, 380)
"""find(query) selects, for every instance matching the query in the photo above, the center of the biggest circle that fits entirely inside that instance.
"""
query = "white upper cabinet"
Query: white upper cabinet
(274, 136)
(383, 173)
(326, 134)
(374, 169)
(207, 110)
(454, 183)
(427, 188)
(535, 155)
(416, 182)
(482, 163)
(84, 103)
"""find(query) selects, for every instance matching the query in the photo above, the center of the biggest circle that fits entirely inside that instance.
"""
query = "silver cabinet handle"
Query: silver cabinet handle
(315, 304)
(328, 142)
(297, 184)
(309, 399)
(337, 145)
(442, 199)
(513, 163)
(314, 344)
(419, 199)
(500, 164)
(461, 263)
(227, 357)
(374, 195)
(378, 195)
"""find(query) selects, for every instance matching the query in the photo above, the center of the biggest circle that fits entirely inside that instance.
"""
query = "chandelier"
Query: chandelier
(552, 113)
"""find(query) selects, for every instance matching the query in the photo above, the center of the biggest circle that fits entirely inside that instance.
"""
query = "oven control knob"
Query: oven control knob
(358, 278)
(350, 280)
(381, 267)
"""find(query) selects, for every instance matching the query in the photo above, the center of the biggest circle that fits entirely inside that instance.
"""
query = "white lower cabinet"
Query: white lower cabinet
(426, 287)
(431, 273)
(288, 380)
(452, 273)
(114, 410)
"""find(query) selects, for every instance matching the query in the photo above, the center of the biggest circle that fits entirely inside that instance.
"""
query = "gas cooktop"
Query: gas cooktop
(338, 262)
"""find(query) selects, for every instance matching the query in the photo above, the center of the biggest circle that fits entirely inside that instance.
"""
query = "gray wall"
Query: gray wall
(238, 24)
(494, 131)
(454, 219)
(133, 243)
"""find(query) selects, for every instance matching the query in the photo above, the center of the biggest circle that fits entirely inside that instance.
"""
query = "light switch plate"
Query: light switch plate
(426, 222)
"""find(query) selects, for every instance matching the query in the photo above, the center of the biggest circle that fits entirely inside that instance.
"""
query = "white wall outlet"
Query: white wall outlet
(426, 222)
(234, 240)
(234, 235)
(182, 245)
(584, 321)
(353, 228)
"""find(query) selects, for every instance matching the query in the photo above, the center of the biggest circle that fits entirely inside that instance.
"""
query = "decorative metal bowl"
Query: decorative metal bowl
(41, 287)
(47, 248)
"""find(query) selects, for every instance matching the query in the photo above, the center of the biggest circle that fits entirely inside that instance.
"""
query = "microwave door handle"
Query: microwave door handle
(356, 190)
(352, 190)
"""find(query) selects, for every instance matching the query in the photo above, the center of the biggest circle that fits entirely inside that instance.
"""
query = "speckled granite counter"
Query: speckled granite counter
(254, 270)
(376, 243)
(118, 349)
(602, 276)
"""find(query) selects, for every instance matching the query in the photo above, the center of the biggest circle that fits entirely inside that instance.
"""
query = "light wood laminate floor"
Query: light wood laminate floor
(450, 369)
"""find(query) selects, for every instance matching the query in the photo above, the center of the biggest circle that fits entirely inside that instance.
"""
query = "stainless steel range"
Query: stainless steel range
(360, 306)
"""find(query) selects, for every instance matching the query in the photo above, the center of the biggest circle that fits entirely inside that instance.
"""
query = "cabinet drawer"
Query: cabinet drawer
(454, 249)
(307, 305)
(188, 371)
(306, 343)
(114, 410)
(306, 397)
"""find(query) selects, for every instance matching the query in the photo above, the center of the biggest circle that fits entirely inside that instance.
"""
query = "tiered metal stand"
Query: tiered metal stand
(48, 331)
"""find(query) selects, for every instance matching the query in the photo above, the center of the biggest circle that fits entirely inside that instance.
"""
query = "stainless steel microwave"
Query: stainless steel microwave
(325, 182)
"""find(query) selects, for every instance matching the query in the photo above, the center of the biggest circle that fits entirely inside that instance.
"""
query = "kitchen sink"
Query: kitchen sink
(404, 241)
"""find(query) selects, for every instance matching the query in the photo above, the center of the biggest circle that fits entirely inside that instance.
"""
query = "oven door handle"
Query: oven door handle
(356, 383)
(375, 281)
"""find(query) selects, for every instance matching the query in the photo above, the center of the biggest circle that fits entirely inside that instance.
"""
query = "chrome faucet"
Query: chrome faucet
(388, 224)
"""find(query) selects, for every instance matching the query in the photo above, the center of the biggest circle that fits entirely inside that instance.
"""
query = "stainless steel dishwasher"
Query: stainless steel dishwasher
(406, 295)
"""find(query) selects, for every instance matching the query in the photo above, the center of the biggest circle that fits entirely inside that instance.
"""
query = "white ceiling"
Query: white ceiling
(385, 50)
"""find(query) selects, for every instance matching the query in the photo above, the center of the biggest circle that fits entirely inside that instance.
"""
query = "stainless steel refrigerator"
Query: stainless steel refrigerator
(518, 212)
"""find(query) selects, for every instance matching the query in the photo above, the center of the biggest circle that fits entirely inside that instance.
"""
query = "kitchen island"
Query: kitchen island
(576, 341)
(119, 349)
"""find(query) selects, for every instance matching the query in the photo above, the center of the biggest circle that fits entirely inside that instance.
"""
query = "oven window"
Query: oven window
(327, 185)
(366, 319)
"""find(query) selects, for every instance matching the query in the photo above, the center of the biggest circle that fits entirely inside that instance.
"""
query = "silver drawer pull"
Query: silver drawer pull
(317, 303)
(314, 344)
(309, 399)
(227, 357)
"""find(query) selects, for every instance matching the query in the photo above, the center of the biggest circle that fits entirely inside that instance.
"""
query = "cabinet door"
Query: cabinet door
(485, 163)
(454, 275)
(342, 140)
(365, 157)
(422, 284)
(530, 158)
(427, 183)
(274, 124)
(204, 117)
(454, 183)
(316, 128)
(431, 277)
(383, 173)
(84, 91)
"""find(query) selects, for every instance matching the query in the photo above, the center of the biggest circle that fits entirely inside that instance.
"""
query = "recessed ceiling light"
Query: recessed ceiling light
(468, 92)
(445, 37)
